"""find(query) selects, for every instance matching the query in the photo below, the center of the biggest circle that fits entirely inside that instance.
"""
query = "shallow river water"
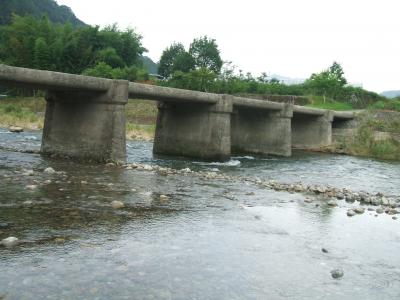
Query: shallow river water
(211, 239)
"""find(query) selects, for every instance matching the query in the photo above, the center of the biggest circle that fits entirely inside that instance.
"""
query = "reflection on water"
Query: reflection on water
(208, 240)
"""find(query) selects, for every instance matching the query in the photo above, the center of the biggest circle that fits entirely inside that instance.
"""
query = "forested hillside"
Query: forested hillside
(40, 44)
(37, 8)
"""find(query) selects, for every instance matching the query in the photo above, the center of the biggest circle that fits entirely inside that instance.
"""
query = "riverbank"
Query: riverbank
(375, 133)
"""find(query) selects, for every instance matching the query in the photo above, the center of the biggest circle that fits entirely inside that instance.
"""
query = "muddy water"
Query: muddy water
(209, 240)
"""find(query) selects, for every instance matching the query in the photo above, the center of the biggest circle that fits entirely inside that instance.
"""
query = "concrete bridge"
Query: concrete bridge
(85, 119)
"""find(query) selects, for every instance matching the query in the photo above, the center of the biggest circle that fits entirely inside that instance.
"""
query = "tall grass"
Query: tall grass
(24, 112)
(393, 105)
(327, 103)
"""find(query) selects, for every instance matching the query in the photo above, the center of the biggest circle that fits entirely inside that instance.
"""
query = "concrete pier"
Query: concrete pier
(194, 130)
(311, 128)
(86, 125)
(263, 131)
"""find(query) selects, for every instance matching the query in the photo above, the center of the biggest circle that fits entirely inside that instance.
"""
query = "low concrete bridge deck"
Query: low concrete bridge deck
(85, 118)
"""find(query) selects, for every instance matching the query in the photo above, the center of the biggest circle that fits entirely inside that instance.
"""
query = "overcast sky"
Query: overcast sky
(292, 38)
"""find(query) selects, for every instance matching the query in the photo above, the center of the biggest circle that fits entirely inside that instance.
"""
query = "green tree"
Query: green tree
(205, 53)
(183, 62)
(168, 57)
(42, 55)
(109, 56)
(329, 82)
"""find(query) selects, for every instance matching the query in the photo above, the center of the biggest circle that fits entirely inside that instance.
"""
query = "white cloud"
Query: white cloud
(290, 37)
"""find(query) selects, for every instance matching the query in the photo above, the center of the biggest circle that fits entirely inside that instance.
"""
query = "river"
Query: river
(208, 239)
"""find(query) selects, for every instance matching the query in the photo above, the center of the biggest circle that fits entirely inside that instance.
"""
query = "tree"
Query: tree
(329, 82)
(168, 58)
(110, 57)
(183, 62)
(337, 73)
(205, 54)
(42, 54)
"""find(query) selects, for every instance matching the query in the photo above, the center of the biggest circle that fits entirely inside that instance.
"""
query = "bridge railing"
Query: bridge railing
(39, 79)
(152, 92)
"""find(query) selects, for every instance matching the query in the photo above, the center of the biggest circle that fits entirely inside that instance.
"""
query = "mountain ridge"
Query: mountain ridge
(391, 94)
(37, 8)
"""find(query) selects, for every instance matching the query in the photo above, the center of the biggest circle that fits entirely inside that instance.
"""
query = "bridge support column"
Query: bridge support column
(311, 131)
(194, 130)
(86, 125)
(262, 131)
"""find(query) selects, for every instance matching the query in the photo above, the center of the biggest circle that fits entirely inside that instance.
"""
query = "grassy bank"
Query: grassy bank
(24, 112)
(377, 135)
(29, 114)
(393, 105)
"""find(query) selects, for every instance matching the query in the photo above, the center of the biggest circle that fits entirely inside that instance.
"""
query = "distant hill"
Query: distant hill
(287, 80)
(391, 94)
(37, 8)
(149, 65)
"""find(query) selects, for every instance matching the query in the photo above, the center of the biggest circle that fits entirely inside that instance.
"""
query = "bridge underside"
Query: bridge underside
(311, 131)
(261, 132)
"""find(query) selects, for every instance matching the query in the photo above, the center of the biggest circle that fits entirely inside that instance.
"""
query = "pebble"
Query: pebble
(28, 173)
(5, 225)
(337, 273)
(324, 250)
(394, 218)
(385, 201)
(351, 213)
(147, 168)
(359, 210)
(379, 210)
(59, 240)
(49, 170)
(340, 196)
(31, 187)
(164, 198)
(84, 182)
(332, 203)
(9, 242)
(375, 201)
(117, 204)
(307, 200)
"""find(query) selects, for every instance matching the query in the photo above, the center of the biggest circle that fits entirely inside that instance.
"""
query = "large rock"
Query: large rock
(16, 129)
(9, 242)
